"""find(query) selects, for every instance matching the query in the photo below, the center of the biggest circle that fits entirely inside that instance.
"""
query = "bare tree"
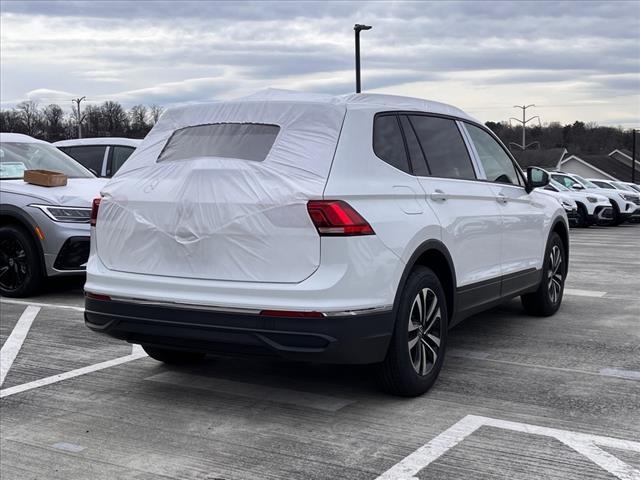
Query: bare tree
(54, 119)
(156, 111)
(31, 117)
(138, 120)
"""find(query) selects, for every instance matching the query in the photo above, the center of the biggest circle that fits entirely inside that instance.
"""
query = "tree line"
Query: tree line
(111, 119)
(52, 123)
(579, 137)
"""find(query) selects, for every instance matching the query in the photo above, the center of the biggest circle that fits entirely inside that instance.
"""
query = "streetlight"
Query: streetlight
(358, 28)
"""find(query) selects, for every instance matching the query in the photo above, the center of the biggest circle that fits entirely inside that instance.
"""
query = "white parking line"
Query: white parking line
(13, 344)
(135, 355)
(583, 443)
(584, 293)
(39, 304)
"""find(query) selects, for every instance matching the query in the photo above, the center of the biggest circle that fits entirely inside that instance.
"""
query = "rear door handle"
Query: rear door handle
(439, 196)
(502, 198)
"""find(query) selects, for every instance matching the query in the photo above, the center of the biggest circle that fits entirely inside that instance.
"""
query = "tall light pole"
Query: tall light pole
(77, 101)
(358, 28)
(634, 132)
(524, 122)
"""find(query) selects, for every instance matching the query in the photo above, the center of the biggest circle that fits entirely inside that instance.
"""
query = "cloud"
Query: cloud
(168, 52)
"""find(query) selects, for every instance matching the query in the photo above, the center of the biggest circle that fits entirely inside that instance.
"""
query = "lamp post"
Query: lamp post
(358, 28)
(634, 132)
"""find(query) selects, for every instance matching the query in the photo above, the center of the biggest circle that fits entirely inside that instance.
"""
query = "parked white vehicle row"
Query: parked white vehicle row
(624, 203)
(102, 155)
(591, 208)
(352, 229)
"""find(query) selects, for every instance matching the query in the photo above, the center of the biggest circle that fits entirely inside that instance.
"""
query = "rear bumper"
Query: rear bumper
(356, 339)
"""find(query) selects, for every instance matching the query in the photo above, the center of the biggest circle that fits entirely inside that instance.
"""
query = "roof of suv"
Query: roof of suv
(128, 142)
(372, 101)
(18, 138)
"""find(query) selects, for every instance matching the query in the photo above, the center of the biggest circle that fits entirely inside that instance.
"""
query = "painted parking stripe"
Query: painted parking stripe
(585, 444)
(620, 373)
(584, 293)
(40, 304)
(135, 355)
(13, 344)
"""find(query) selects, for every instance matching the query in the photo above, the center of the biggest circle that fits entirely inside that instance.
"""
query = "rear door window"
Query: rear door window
(497, 165)
(442, 144)
(89, 156)
(388, 144)
(244, 141)
(119, 155)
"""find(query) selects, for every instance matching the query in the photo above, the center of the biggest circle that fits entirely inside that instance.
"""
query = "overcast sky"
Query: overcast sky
(574, 60)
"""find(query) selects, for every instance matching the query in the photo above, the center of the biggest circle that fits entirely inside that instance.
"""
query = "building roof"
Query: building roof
(609, 165)
(127, 142)
(547, 158)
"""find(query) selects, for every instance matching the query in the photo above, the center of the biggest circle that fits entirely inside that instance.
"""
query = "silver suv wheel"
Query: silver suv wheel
(424, 331)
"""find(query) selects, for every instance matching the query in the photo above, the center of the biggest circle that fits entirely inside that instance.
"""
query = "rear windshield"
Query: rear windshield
(245, 141)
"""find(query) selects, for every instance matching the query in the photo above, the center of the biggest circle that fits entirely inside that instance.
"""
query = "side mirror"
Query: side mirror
(577, 186)
(536, 178)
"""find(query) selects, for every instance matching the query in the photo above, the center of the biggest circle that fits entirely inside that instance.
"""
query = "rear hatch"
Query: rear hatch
(219, 192)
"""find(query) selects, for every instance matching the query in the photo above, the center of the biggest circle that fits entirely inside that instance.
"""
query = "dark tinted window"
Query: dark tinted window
(245, 141)
(118, 157)
(91, 156)
(443, 146)
(496, 163)
(387, 142)
(418, 162)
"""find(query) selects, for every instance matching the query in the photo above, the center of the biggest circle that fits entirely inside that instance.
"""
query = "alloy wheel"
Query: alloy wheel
(14, 268)
(554, 274)
(425, 331)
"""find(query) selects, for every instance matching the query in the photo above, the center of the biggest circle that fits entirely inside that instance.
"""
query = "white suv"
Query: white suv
(352, 229)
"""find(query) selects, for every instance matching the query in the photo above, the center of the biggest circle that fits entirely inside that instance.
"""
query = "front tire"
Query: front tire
(20, 265)
(171, 356)
(583, 217)
(416, 353)
(546, 300)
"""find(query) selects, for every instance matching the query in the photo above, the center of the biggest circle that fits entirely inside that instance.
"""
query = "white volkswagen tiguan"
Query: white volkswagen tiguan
(351, 229)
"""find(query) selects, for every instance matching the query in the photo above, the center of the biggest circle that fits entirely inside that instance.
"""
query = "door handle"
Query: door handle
(502, 198)
(439, 196)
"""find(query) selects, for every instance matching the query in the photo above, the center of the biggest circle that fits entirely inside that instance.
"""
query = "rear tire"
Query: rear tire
(21, 271)
(546, 300)
(171, 356)
(417, 348)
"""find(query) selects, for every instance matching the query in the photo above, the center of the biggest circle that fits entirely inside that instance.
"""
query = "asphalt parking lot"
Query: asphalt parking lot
(518, 397)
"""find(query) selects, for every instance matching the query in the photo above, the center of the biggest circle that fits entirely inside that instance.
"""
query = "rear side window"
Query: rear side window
(442, 144)
(244, 141)
(388, 144)
(89, 156)
(496, 163)
(416, 156)
(118, 156)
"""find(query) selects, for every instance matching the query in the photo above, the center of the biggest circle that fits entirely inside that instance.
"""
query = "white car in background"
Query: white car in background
(625, 189)
(102, 155)
(591, 207)
(624, 204)
(634, 186)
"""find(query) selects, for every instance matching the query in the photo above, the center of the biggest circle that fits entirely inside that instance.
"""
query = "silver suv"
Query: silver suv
(44, 231)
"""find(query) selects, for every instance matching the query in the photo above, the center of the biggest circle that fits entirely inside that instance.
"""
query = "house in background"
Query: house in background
(549, 158)
(615, 166)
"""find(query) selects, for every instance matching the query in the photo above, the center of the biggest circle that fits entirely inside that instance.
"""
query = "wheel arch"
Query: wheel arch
(434, 255)
(14, 216)
(560, 227)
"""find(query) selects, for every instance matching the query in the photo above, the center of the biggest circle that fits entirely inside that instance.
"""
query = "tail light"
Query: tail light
(94, 211)
(336, 218)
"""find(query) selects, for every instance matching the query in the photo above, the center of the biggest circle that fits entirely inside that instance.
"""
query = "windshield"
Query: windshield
(16, 157)
(585, 182)
(559, 186)
(622, 186)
